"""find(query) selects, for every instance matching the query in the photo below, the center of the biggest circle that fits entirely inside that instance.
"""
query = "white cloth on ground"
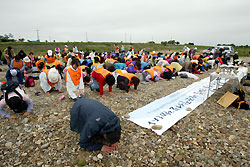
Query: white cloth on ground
(190, 75)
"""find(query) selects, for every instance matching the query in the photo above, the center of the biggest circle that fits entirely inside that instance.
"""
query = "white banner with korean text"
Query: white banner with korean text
(170, 109)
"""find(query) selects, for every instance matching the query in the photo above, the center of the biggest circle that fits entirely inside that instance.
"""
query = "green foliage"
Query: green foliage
(151, 42)
(40, 48)
(7, 38)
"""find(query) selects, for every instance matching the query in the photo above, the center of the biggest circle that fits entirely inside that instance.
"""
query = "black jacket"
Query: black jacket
(91, 119)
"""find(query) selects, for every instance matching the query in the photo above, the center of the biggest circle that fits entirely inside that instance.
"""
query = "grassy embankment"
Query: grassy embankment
(40, 48)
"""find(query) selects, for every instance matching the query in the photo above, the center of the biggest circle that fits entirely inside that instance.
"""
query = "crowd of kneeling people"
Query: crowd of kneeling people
(89, 117)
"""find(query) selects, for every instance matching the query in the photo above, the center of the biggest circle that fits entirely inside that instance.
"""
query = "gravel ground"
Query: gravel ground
(208, 136)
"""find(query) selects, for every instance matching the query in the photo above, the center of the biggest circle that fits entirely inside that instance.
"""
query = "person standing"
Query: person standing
(9, 54)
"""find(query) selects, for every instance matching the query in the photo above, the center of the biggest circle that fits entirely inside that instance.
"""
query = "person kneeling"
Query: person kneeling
(125, 80)
(74, 80)
(50, 79)
(94, 121)
(16, 99)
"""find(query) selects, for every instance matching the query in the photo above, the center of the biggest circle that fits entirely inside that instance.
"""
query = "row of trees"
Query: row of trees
(10, 38)
(241, 46)
(173, 42)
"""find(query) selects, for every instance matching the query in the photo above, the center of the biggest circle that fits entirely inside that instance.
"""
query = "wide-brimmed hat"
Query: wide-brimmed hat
(53, 75)
(26, 60)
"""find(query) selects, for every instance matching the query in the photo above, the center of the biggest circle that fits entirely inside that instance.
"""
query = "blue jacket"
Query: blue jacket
(121, 66)
(92, 119)
(19, 75)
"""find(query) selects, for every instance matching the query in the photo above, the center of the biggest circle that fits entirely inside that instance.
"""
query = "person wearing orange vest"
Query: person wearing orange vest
(160, 70)
(49, 79)
(86, 72)
(117, 72)
(40, 64)
(17, 62)
(175, 57)
(150, 74)
(100, 77)
(125, 80)
(96, 64)
(28, 64)
(116, 48)
(134, 67)
(196, 57)
(74, 80)
(169, 72)
(50, 59)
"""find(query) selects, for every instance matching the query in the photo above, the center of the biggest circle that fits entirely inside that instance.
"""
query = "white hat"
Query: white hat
(26, 60)
(39, 57)
(13, 72)
(49, 52)
(53, 75)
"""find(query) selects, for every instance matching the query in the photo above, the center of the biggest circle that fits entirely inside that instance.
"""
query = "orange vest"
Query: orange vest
(18, 64)
(84, 67)
(170, 68)
(145, 58)
(75, 75)
(47, 73)
(158, 68)
(38, 62)
(119, 71)
(116, 48)
(96, 65)
(196, 57)
(50, 59)
(175, 57)
(102, 71)
(129, 76)
(27, 64)
(57, 63)
(151, 72)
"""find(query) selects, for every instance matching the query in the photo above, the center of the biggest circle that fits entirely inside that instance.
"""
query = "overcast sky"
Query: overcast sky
(205, 22)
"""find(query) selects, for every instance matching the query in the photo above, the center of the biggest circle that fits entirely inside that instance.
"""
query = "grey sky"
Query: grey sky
(205, 22)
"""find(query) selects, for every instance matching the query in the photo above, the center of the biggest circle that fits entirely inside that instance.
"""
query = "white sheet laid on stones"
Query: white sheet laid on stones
(170, 109)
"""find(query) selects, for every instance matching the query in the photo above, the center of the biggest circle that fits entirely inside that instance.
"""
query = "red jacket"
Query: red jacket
(101, 80)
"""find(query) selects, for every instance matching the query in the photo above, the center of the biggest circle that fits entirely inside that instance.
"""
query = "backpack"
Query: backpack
(29, 81)
(9, 87)
(241, 102)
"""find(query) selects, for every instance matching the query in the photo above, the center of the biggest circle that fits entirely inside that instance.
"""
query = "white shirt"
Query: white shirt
(45, 85)
(71, 88)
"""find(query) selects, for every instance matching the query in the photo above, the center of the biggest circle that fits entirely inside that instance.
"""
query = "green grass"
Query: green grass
(40, 48)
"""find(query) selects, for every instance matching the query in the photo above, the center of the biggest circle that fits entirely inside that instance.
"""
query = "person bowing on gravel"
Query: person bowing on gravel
(50, 79)
(17, 100)
(98, 126)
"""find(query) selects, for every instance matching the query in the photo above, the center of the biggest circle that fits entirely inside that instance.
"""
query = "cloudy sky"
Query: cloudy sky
(204, 22)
